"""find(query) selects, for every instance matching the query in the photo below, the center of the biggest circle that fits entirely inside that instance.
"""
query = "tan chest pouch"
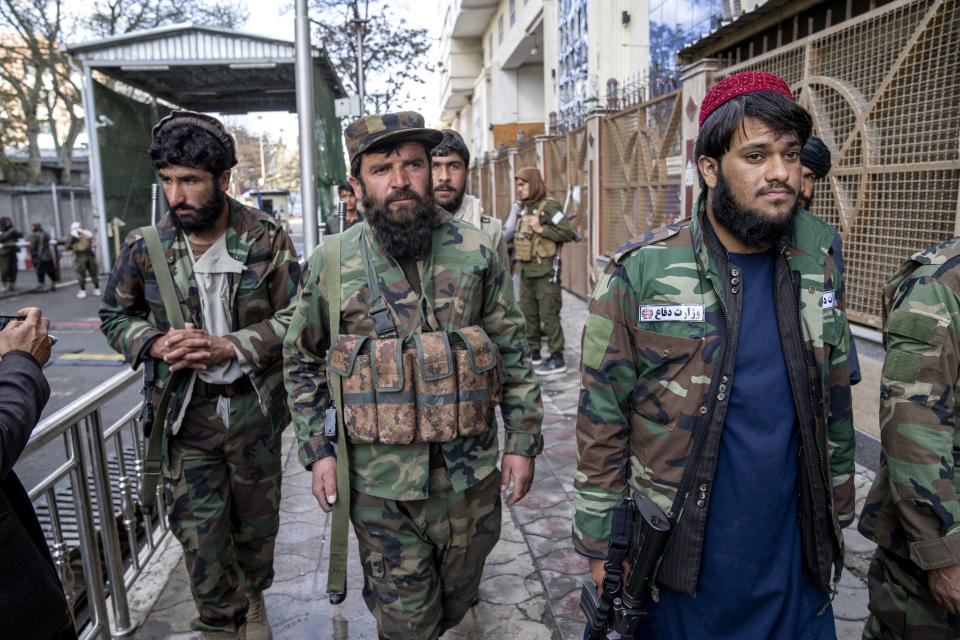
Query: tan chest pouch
(443, 387)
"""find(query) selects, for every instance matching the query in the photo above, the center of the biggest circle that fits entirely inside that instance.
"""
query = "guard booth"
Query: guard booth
(194, 67)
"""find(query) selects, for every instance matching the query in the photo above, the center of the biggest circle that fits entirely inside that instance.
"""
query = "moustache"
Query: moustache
(776, 187)
(403, 194)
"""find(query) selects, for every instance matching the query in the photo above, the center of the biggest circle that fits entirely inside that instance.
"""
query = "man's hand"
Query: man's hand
(191, 348)
(521, 469)
(29, 334)
(945, 587)
(325, 482)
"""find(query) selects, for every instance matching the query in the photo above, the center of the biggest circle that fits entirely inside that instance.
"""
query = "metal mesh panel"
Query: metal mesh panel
(527, 155)
(641, 168)
(504, 186)
(884, 93)
(555, 150)
(486, 187)
(473, 182)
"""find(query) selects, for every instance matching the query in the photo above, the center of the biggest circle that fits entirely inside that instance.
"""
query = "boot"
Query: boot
(536, 357)
(222, 635)
(257, 627)
(554, 366)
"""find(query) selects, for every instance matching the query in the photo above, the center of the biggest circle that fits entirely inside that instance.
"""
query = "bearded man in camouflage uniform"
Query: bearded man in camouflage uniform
(715, 381)
(427, 513)
(235, 271)
(913, 509)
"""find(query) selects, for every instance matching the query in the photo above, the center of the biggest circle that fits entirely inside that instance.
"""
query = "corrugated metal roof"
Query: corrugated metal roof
(205, 68)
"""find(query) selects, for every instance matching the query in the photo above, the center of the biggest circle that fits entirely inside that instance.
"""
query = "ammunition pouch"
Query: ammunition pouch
(444, 386)
(530, 245)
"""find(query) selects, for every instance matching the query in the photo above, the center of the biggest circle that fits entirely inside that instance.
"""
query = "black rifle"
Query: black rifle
(146, 411)
(639, 534)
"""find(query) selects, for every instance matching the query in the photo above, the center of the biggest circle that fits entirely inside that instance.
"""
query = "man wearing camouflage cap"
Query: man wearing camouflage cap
(913, 509)
(423, 342)
(715, 383)
(234, 271)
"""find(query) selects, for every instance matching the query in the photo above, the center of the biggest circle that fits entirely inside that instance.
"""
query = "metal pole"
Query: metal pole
(360, 82)
(57, 225)
(154, 198)
(98, 198)
(305, 115)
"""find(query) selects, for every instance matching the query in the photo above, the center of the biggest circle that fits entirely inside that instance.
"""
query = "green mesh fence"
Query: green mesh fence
(124, 140)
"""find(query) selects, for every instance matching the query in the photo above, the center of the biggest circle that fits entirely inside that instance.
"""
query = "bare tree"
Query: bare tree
(115, 17)
(394, 53)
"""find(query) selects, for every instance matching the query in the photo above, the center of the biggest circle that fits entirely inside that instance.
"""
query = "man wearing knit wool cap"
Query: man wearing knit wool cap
(715, 383)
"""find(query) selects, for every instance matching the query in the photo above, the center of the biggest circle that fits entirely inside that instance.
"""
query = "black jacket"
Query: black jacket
(32, 604)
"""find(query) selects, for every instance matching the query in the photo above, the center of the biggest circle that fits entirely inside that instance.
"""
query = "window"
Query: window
(490, 46)
(513, 12)
(500, 29)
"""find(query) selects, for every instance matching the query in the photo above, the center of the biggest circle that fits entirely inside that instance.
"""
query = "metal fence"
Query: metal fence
(99, 537)
(884, 93)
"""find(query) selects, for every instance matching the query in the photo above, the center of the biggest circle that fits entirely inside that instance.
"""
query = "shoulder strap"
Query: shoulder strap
(383, 324)
(171, 304)
(168, 292)
(337, 571)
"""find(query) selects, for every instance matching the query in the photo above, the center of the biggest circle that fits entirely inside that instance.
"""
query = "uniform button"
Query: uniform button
(812, 289)
(734, 290)
(723, 388)
(703, 410)
(700, 503)
(734, 280)
(171, 259)
(703, 486)
(734, 271)
(666, 351)
(703, 495)
(721, 396)
(724, 378)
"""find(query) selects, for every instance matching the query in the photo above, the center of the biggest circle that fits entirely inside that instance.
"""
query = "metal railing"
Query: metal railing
(97, 482)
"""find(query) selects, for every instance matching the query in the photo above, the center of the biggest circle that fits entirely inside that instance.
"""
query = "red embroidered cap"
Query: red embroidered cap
(739, 84)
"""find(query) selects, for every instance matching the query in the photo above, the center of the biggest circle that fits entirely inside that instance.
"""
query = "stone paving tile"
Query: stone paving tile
(531, 583)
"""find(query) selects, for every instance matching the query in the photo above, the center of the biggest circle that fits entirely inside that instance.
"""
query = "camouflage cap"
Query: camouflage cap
(371, 131)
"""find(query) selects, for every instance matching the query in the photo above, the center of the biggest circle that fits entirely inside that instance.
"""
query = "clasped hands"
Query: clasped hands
(191, 348)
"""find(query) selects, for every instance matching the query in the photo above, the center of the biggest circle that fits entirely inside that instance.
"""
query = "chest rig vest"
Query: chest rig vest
(530, 245)
(432, 386)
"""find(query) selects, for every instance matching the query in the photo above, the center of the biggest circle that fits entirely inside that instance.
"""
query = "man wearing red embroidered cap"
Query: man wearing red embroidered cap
(715, 383)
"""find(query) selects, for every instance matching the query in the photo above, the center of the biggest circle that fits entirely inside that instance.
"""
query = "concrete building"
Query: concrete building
(505, 66)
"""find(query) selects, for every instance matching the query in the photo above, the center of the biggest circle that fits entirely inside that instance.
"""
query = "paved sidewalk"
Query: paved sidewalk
(531, 583)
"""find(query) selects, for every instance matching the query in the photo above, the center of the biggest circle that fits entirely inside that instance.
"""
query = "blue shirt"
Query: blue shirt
(753, 583)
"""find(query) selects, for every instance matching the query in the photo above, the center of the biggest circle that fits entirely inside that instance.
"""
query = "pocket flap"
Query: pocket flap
(343, 354)
(483, 355)
(388, 364)
(433, 355)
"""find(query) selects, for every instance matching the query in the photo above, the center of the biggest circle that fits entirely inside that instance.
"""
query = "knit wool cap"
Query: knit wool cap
(815, 156)
(739, 84)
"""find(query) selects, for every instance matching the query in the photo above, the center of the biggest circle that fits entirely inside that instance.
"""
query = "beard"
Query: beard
(452, 202)
(754, 228)
(204, 217)
(406, 232)
(805, 202)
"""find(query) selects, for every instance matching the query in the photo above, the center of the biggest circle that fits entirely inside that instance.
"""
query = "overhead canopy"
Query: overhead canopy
(201, 68)
(205, 68)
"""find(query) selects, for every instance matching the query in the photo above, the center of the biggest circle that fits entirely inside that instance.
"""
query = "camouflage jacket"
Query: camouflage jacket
(559, 231)
(913, 508)
(464, 284)
(132, 313)
(653, 392)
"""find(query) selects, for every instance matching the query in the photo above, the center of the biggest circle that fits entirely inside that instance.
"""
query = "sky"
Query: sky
(266, 19)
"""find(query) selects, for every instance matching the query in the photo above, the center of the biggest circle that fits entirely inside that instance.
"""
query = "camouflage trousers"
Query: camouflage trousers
(222, 490)
(422, 559)
(540, 302)
(86, 265)
(901, 605)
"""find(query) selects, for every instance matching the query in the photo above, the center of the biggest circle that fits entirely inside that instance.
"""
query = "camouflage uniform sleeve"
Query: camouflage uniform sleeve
(521, 407)
(841, 439)
(559, 231)
(304, 373)
(124, 309)
(261, 343)
(918, 421)
(608, 374)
